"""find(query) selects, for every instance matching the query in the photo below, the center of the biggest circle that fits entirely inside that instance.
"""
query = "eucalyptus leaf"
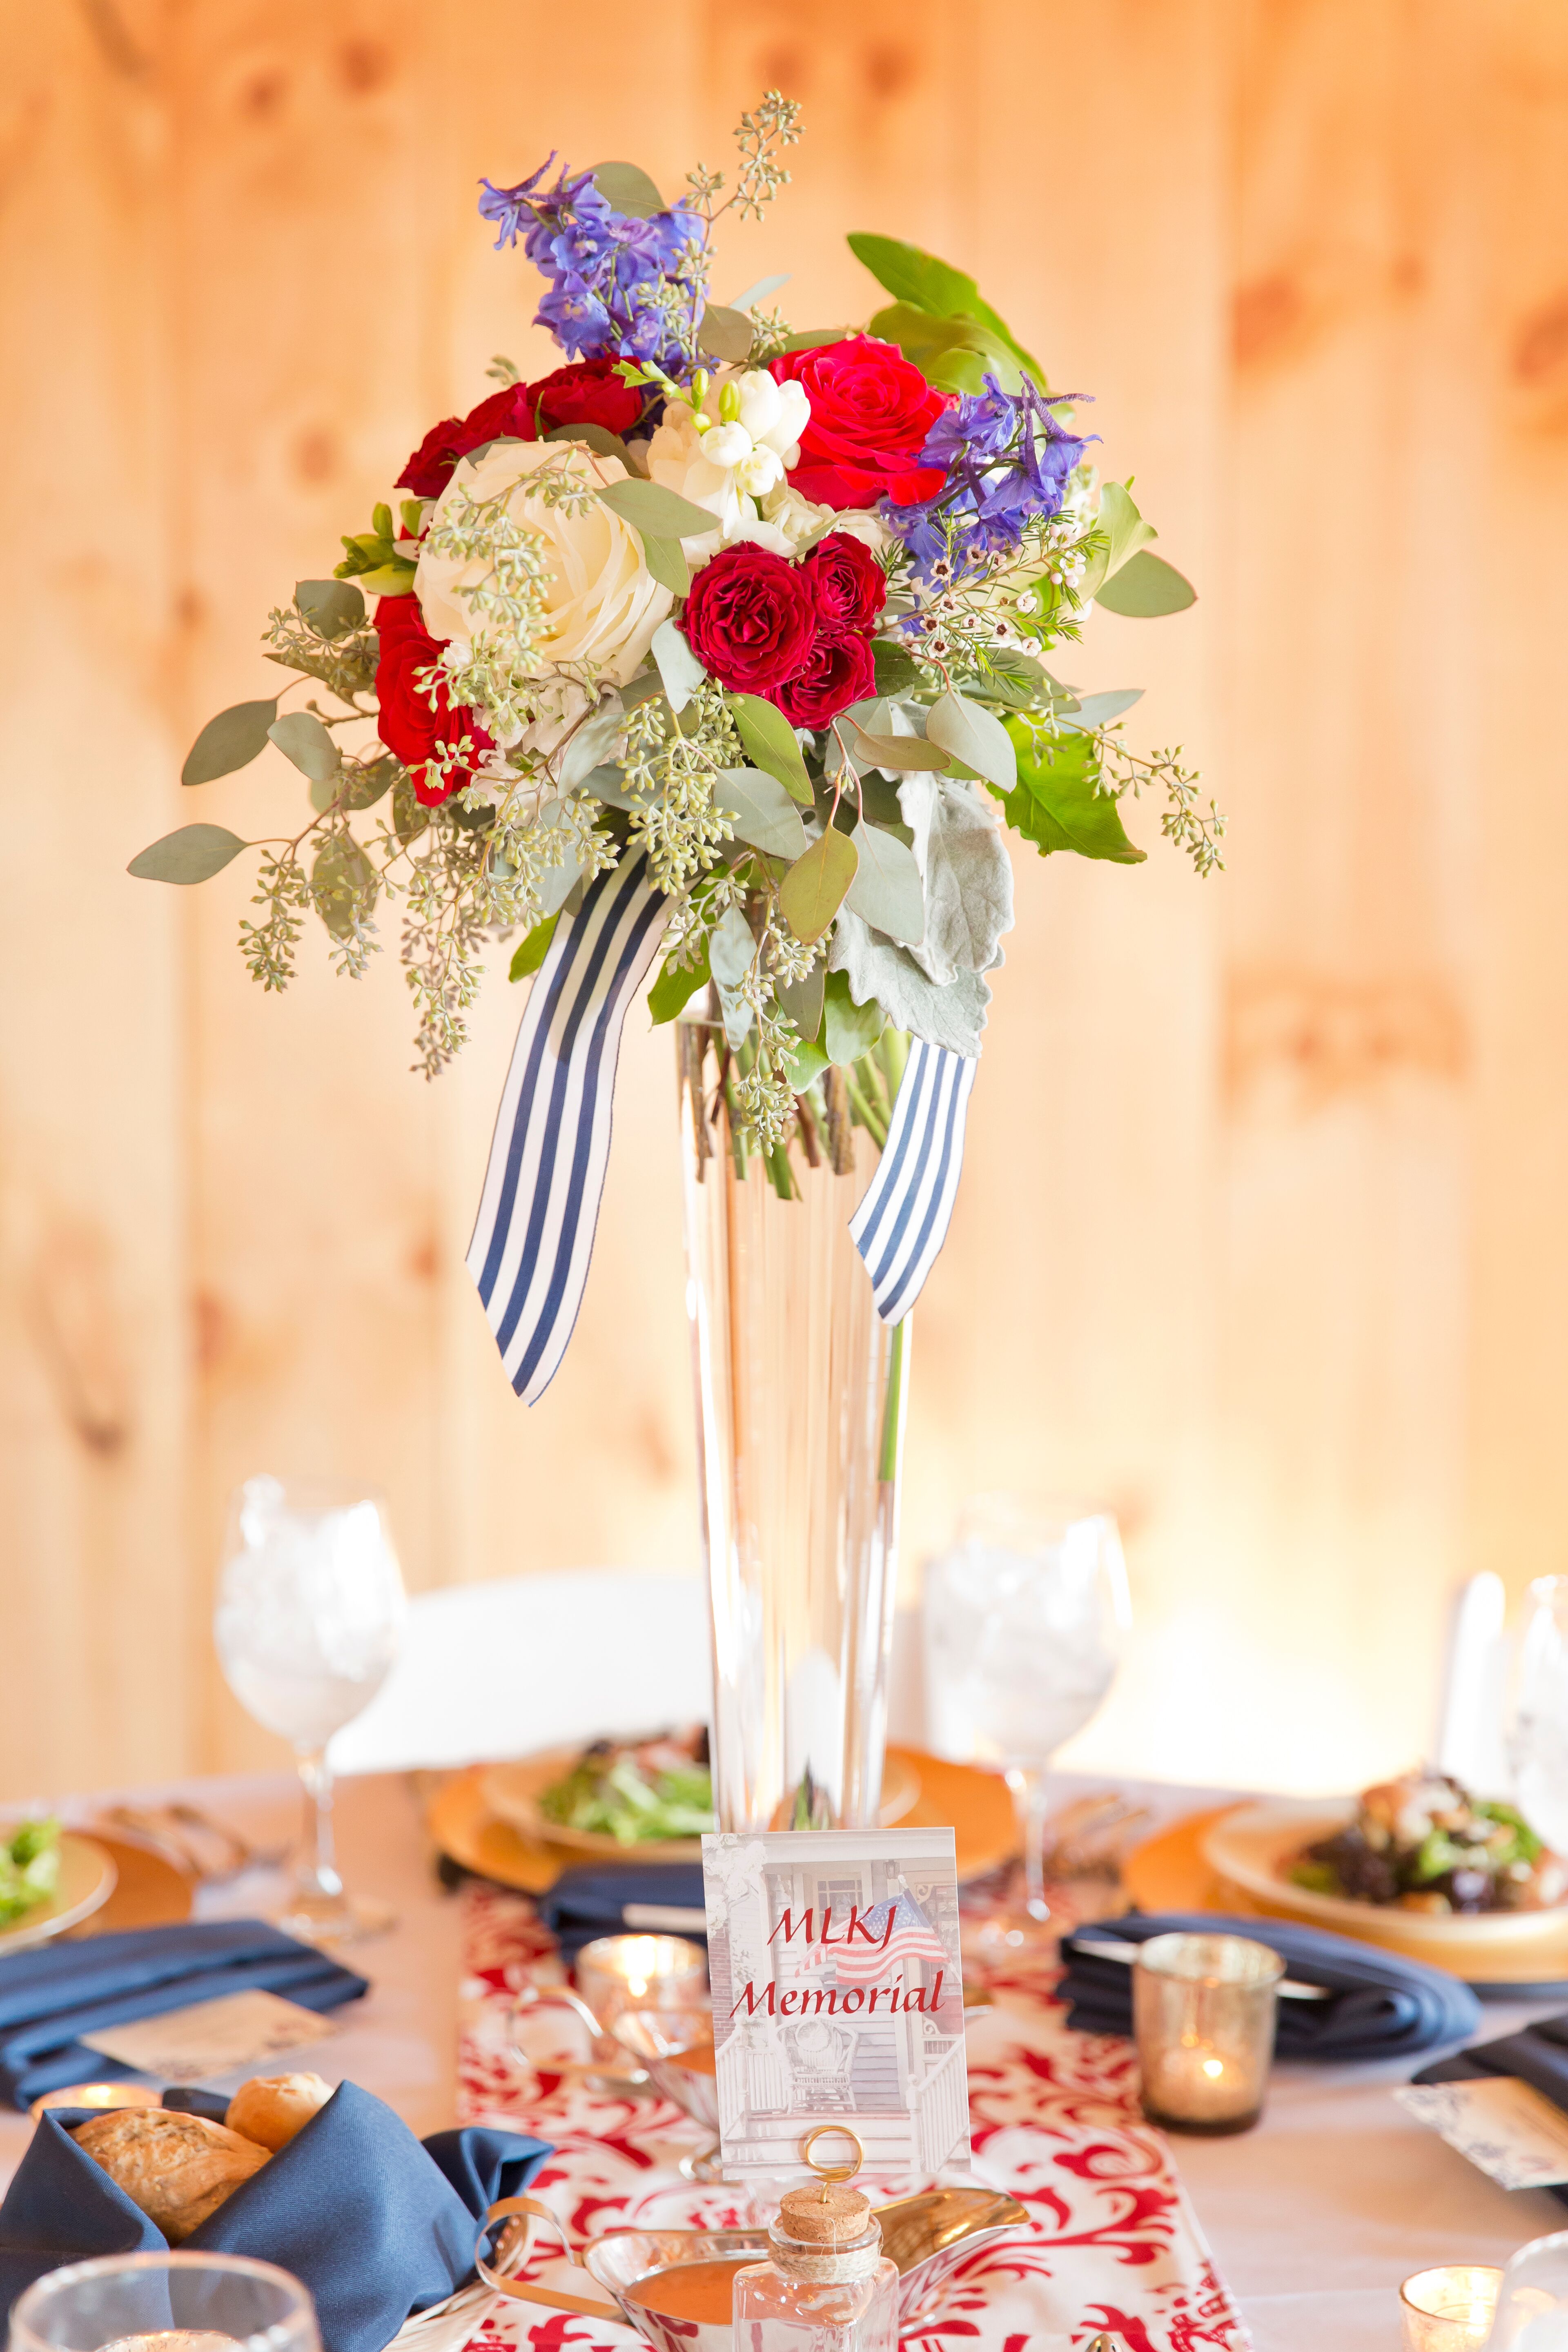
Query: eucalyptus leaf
(976, 736)
(626, 188)
(677, 666)
(409, 814)
(813, 891)
(886, 891)
(736, 1013)
(759, 292)
(731, 949)
(773, 744)
(1147, 588)
(585, 749)
(675, 987)
(649, 507)
(814, 339)
(667, 561)
(901, 751)
(230, 741)
(848, 1030)
(725, 334)
(1099, 709)
(534, 948)
(558, 880)
(333, 607)
(362, 782)
(300, 737)
(877, 968)
(194, 854)
(598, 437)
(802, 999)
(761, 810)
(343, 884)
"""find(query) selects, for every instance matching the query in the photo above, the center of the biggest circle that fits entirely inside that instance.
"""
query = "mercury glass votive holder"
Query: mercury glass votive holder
(620, 1972)
(1202, 2013)
(1449, 2309)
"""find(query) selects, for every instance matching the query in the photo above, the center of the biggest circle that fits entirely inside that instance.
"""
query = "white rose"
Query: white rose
(801, 519)
(601, 604)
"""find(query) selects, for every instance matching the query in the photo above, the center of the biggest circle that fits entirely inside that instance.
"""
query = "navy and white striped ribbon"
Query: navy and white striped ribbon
(534, 1235)
(901, 1225)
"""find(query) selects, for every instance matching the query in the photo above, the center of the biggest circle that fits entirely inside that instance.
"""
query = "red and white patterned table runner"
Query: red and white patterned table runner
(1054, 2119)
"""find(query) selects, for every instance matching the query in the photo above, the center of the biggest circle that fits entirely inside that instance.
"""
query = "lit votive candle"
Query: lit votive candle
(617, 1972)
(1203, 2011)
(1450, 2309)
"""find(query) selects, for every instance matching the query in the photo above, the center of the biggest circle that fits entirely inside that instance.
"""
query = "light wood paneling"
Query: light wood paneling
(1261, 1232)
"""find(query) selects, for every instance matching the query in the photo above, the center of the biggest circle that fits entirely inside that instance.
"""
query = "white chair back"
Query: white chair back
(528, 1662)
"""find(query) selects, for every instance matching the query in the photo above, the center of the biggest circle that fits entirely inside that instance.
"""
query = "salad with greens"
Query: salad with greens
(636, 1790)
(1423, 1844)
(29, 1867)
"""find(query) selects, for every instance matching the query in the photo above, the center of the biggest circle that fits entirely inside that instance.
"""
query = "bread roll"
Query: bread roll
(270, 2108)
(177, 2168)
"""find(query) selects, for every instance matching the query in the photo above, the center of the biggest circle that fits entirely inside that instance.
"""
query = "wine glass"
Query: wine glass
(1533, 2303)
(310, 1614)
(1025, 1617)
(165, 2303)
(1539, 1745)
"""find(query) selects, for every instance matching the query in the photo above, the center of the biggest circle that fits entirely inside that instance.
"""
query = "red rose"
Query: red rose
(838, 670)
(751, 619)
(406, 723)
(870, 412)
(847, 583)
(588, 393)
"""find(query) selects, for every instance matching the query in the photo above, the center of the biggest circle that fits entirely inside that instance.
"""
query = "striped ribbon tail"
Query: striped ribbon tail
(901, 1225)
(535, 1234)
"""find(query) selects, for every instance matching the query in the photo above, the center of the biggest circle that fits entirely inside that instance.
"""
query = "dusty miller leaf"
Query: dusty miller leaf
(876, 967)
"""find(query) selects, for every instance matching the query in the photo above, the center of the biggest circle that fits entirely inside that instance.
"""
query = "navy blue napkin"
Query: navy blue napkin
(375, 2223)
(54, 1992)
(594, 1900)
(1538, 2056)
(1382, 2006)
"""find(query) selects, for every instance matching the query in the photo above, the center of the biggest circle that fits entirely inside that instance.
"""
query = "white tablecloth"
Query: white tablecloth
(1313, 2218)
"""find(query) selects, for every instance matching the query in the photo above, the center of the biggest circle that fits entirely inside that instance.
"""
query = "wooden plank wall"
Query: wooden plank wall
(1261, 1233)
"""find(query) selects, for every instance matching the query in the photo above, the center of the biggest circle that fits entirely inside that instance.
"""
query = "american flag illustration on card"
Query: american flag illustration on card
(838, 1998)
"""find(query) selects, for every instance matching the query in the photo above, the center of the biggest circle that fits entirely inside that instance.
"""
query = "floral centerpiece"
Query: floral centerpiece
(719, 657)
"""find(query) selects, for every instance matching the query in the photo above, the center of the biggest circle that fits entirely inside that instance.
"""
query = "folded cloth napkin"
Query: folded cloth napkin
(53, 1993)
(1538, 2056)
(1381, 2006)
(660, 1898)
(376, 2225)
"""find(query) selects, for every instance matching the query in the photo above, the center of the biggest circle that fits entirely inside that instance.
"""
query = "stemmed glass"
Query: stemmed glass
(1538, 1748)
(166, 2302)
(310, 1614)
(1024, 1618)
(1532, 2304)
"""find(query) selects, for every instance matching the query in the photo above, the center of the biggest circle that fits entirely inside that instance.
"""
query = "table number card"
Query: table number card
(837, 1997)
(212, 2037)
(1505, 2126)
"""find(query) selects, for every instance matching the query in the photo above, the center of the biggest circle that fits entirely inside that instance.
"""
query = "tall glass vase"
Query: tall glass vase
(801, 1393)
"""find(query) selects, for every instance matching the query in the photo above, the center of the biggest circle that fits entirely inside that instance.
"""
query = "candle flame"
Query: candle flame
(1213, 2066)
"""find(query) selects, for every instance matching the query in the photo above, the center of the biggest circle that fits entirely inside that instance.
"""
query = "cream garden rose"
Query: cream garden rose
(600, 602)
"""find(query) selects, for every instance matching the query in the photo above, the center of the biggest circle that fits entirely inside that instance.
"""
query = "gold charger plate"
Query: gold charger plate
(976, 1805)
(1227, 1859)
(86, 1883)
(148, 1890)
(512, 1792)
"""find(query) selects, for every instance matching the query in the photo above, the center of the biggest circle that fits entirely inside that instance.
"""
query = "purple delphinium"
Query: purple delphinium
(604, 265)
(1008, 459)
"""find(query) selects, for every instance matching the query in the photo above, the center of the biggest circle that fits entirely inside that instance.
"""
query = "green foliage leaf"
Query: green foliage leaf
(1122, 531)
(886, 891)
(533, 950)
(667, 561)
(725, 334)
(897, 670)
(598, 437)
(628, 188)
(802, 999)
(1055, 804)
(300, 737)
(812, 339)
(1146, 588)
(913, 276)
(848, 1030)
(772, 742)
(906, 752)
(976, 736)
(808, 1060)
(649, 507)
(762, 811)
(195, 854)
(333, 607)
(731, 949)
(814, 889)
(343, 884)
(230, 741)
(1099, 709)
(678, 667)
(676, 984)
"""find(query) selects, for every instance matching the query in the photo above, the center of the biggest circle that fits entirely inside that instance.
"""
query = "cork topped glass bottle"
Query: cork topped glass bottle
(826, 2287)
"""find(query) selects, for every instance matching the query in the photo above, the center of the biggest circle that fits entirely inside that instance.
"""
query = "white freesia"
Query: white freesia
(729, 453)
(600, 602)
